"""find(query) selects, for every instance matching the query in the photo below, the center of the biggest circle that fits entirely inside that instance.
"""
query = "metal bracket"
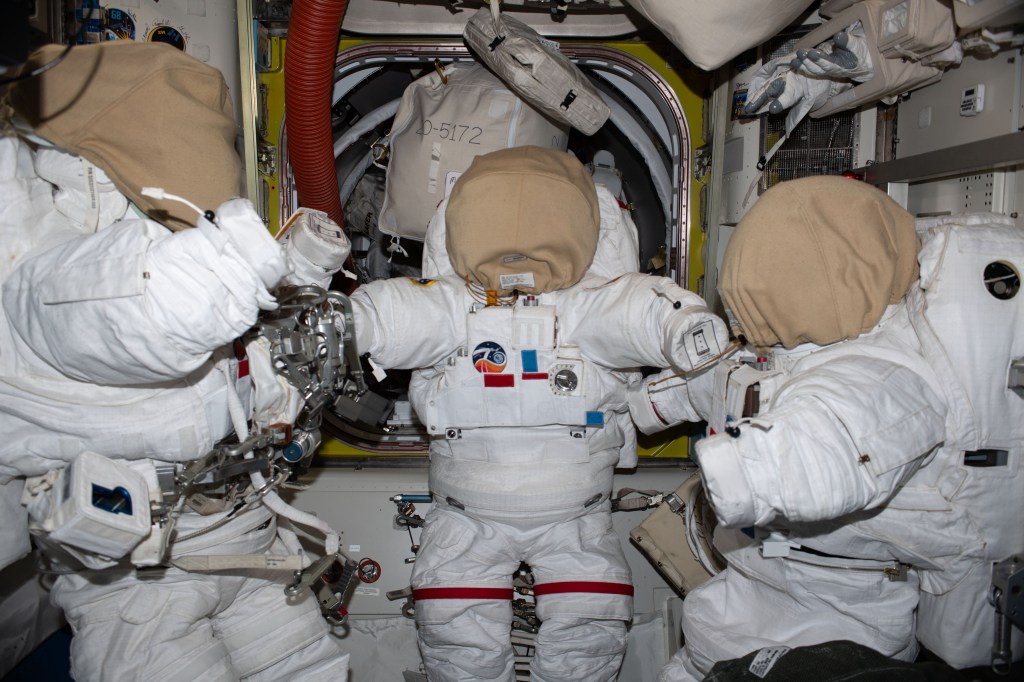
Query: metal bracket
(214, 466)
(675, 503)
(1007, 596)
(330, 578)
(1016, 375)
(266, 158)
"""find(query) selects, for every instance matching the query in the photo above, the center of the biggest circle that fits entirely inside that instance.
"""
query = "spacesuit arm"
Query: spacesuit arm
(135, 303)
(839, 438)
(405, 323)
(638, 320)
(315, 248)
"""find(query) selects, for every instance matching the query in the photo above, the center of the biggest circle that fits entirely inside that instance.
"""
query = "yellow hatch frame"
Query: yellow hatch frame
(686, 81)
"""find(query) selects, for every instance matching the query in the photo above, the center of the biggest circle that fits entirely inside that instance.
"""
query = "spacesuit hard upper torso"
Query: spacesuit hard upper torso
(82, 347)
(552, 368)
(920, 450)
(559, 363)
(512, 372)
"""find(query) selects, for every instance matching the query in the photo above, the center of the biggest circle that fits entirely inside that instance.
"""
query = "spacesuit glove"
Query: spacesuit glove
(237, 219)
(846, 56)
(776, 87)
(315, 246)
(667, 399)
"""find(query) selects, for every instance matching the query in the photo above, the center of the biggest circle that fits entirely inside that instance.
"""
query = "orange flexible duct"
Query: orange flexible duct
(308, 83)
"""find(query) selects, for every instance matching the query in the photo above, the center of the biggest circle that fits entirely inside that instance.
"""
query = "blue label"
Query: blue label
(529, 358)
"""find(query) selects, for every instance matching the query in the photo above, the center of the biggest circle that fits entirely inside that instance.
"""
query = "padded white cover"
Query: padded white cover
(712, 33)
(536, 70)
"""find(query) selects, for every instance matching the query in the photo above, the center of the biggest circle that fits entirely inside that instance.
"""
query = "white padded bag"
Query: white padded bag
(444, 120)
(535, 68)
(711, 32)
(891, 76)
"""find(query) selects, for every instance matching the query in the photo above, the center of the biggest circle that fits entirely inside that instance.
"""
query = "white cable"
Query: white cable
(291, 543)
(159, 193)
(273, 502)
(235, 408)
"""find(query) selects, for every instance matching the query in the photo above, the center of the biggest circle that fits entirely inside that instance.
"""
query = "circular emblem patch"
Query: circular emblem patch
(489, 357)
(169, 35)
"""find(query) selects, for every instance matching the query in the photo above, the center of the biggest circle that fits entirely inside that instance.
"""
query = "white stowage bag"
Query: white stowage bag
(884, 36)
(443, 122)
(712, 33)
(536, 69)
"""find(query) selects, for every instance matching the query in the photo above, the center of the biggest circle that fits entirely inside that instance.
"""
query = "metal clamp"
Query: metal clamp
(440, 72)
(675, 503)
(1007, 595)
(408, 607)
(330, 578)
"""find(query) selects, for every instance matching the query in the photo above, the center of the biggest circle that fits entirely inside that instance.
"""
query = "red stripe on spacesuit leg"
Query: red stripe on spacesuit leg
(491, 593)
(582, 586)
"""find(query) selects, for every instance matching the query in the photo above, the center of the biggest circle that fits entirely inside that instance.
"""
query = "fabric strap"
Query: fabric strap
(483, 593)
(583, 586)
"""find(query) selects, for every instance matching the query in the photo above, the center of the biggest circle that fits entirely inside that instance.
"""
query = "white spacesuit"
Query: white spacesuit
(871, 447)
(527, 358)
(117, 361)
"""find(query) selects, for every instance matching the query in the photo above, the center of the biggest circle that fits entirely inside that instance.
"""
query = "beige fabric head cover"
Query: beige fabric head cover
(146, 113)
(818, 260)
(524, 218)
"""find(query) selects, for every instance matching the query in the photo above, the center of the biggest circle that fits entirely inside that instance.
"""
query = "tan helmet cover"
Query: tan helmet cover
(146, 113)
(524, 218)
(818, 260)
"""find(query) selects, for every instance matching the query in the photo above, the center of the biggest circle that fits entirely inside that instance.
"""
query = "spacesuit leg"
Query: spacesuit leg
(128, 627)
(584, 600)
(270, 638)
(462, 586)
(169, 624)
(759, 602)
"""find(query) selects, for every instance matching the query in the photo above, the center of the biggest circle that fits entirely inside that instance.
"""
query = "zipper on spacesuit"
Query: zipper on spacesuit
(894, 571)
